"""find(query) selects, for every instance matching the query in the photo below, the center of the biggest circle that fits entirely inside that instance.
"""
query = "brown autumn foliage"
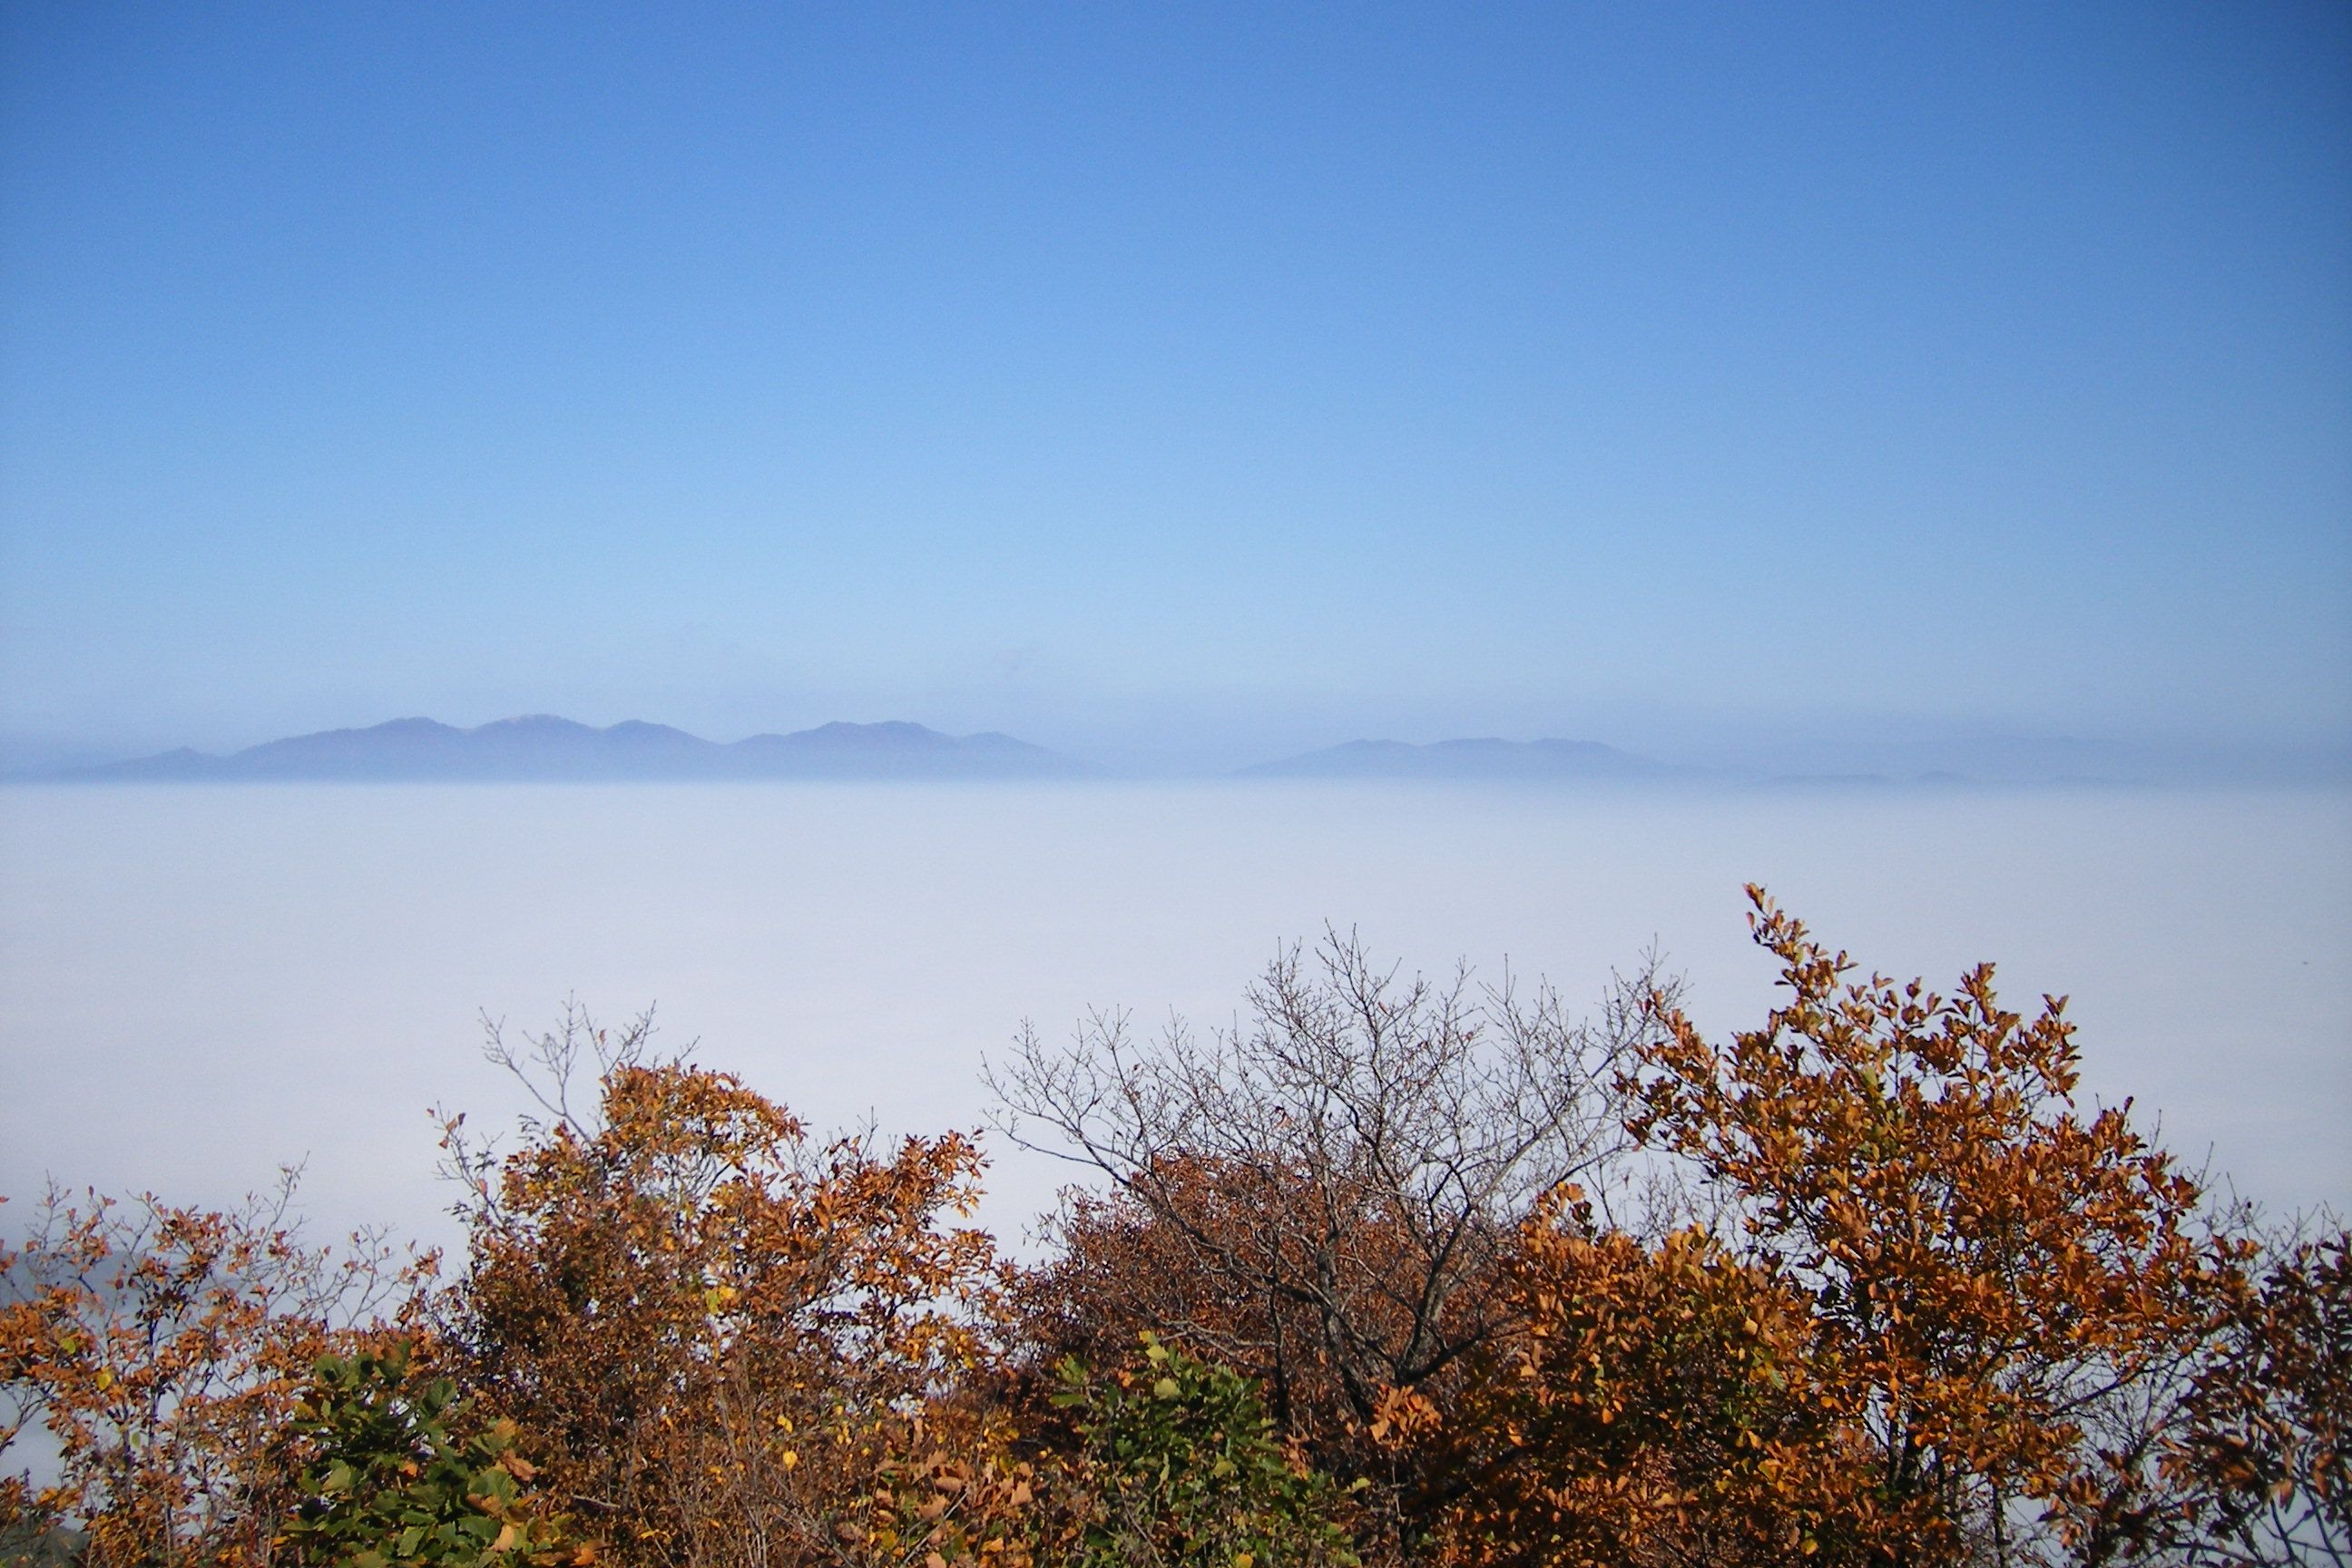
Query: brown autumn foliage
(730, 1342)
(1971, 1295)
(162, 1350)
(1657, 1409)
(1120, 1270)
(1918, 1306)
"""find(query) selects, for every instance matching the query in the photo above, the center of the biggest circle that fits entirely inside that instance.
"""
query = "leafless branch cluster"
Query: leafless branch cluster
(1343, 1169)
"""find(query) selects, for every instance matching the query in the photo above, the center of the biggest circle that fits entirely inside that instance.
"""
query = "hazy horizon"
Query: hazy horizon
(1894, 751)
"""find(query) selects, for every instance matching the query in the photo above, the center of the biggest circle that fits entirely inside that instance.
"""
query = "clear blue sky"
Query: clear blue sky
(1178, 381)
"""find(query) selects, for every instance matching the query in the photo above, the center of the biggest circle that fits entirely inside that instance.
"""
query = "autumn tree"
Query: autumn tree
(1999, 1286)
(727, 1342)
(164, 1349)
(2261, 1448)
(1654, 1406)
(1320, 1196)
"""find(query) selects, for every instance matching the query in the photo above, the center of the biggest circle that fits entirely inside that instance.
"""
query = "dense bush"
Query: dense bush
(1883, 1295)
(390, 1471)
(1182, 1467)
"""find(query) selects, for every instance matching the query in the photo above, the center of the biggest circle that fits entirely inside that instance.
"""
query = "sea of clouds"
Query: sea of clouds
(200, 983)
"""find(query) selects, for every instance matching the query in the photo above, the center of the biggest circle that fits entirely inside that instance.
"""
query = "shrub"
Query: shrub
(394, 1472)
(164, 1349)
(1181, 1466)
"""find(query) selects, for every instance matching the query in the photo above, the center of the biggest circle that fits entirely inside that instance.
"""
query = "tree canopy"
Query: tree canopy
(1397, 1271)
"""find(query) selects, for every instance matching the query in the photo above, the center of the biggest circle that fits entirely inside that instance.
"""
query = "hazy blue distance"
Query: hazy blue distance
(548, 749)
(1180, 386)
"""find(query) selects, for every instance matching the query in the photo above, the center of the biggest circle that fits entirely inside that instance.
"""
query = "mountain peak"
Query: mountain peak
(548, 721)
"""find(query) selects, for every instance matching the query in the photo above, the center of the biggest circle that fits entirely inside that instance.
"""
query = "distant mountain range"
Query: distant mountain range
(1482, 759)
(547, 749)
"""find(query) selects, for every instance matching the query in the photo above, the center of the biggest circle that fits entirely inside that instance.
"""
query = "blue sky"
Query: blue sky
(1178, 385)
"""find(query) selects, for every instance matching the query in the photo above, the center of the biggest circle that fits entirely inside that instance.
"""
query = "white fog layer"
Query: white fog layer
(200, 983)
